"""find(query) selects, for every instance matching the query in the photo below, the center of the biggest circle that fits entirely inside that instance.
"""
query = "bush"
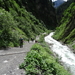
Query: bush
(39, 62)
(6, 26)
(9, 32)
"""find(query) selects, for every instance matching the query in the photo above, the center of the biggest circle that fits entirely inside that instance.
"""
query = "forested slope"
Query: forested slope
(66, 30)
(28, 18)
(62, 8)
(40, 61)
(16, 21)
(43, 10)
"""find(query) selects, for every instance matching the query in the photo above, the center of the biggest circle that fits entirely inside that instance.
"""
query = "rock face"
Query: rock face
(43, 10)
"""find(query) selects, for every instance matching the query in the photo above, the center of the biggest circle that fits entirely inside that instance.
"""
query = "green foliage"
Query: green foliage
(71, 36)
(41, 37)
(9, 31)
(62, 8)
(43, 10)
(7, 24)
(66, 31)
(16, 22)
(73, 46)
(28, 23)
(40, 62)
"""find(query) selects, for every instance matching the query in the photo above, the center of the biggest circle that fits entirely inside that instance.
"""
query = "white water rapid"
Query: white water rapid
(64, 53)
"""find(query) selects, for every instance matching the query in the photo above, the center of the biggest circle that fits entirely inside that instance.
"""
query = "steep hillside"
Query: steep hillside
(24, 18)
(66, 31)
(62, 8)
(43, 10)
(16, 22)
(40, 61)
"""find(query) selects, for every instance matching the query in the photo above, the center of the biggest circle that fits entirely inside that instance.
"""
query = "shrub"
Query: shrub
(41, 63)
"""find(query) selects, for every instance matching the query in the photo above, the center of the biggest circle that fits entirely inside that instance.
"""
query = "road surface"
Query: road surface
(11, 58)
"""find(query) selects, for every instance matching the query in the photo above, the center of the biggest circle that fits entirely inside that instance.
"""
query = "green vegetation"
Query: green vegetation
(16, 22)
(40, 61)
(73, 46)
(8, 29)
(66, 31)
(62, 8)
(43, 10)
(19, 21)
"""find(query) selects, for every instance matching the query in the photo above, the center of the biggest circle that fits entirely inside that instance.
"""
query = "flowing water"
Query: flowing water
(64, 53)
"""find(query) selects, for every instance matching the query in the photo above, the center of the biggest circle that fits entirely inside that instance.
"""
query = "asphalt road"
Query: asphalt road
(11, 58)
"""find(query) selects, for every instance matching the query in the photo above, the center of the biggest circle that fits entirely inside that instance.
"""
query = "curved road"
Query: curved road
(11, 58)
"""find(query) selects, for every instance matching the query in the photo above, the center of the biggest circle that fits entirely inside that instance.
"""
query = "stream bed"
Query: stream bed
(65, 55)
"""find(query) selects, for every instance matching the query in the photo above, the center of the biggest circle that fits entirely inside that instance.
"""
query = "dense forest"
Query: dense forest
(29, 18)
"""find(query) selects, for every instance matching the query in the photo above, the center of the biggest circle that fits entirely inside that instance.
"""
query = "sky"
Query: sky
(57, 0)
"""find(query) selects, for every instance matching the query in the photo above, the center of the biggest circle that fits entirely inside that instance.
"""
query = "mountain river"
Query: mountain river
(65, 55)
